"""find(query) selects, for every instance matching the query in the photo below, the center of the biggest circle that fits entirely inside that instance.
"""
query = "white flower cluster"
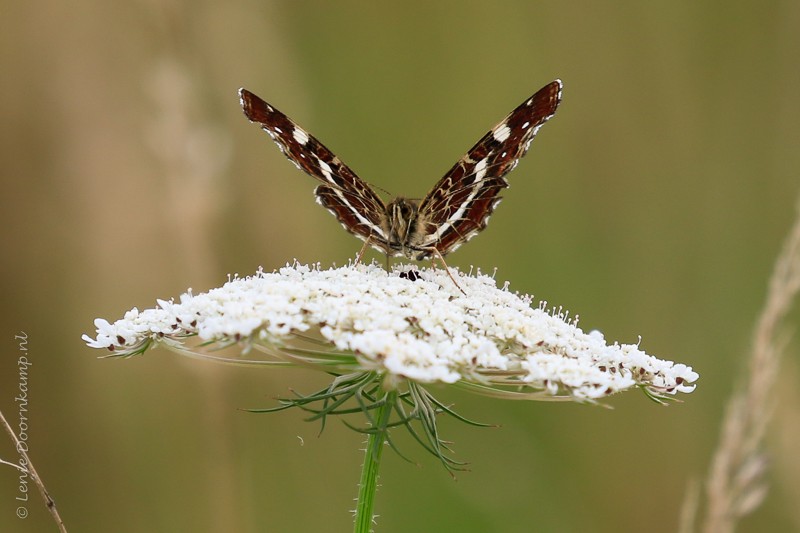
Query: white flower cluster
(406, 324)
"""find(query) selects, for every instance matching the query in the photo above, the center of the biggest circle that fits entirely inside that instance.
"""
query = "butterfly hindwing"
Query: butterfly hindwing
(459, 205)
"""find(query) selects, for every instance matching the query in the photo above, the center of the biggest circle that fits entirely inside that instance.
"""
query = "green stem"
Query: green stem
(368, 483)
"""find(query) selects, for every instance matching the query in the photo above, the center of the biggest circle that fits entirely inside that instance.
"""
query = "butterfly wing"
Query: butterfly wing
(343, 193)
(459, 205)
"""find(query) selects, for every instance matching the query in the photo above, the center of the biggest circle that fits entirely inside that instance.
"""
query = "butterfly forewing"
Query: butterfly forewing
(343, 193)
(459, 205)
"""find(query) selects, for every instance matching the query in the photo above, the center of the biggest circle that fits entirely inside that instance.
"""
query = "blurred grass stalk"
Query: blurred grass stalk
(26, 467)
(735, 483)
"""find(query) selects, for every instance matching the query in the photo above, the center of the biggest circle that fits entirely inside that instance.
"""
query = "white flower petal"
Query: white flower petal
(424, 330)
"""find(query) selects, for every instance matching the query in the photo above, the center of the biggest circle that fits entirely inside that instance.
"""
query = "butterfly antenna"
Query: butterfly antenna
(384, 191)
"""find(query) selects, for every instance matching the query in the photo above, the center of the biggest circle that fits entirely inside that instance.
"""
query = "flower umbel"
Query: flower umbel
(397, 331)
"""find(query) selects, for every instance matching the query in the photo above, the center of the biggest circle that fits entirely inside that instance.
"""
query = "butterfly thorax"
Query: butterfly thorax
(403, 225)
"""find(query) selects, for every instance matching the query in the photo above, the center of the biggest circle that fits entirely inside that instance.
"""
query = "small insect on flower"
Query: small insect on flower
(411, 275)
(456, 209)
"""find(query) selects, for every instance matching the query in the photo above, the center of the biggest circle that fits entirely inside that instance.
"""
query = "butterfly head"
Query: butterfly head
(402, 217)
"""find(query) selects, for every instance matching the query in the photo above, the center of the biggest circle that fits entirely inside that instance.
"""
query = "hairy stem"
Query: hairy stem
(368, 483)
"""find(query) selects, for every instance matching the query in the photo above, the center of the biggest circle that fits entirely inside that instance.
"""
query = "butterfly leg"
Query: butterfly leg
(363, 249)
(439, 255)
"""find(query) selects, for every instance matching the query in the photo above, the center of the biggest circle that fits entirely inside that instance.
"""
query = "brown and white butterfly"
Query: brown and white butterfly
(455, 210)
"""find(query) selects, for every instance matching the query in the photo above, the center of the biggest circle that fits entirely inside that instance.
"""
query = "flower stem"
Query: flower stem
(368, 483)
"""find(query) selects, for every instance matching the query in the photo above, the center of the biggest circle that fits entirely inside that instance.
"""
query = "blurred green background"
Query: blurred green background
(653, 204)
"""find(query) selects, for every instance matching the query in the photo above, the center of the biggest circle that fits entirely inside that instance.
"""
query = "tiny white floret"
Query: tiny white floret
(422, 329)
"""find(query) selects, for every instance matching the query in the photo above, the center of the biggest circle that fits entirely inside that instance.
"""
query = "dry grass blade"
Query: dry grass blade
(31, 471)
(735, 485)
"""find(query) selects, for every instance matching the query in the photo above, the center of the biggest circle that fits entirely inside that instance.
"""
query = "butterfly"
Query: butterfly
(455, 210)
